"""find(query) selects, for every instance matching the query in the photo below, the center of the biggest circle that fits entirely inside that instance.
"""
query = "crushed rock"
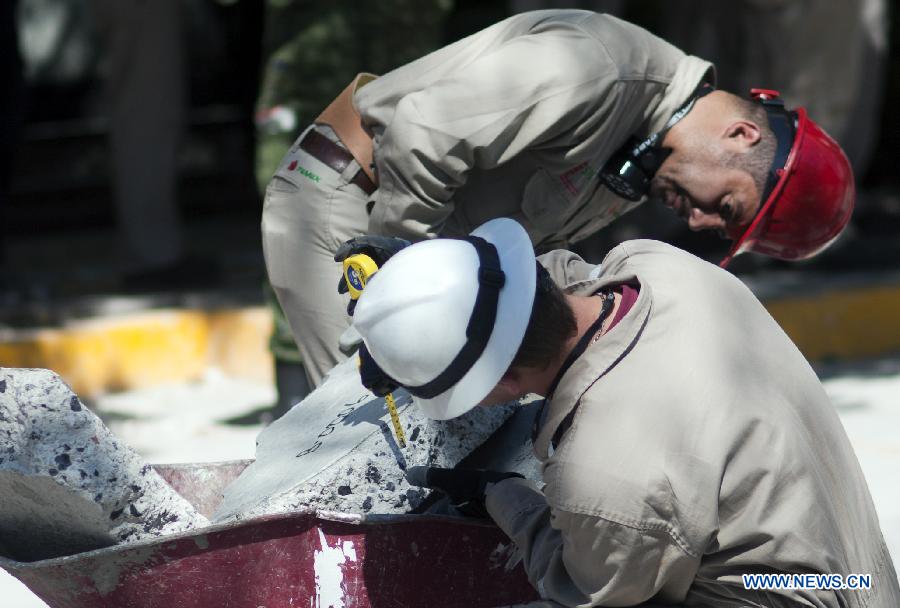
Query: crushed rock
(67, 481)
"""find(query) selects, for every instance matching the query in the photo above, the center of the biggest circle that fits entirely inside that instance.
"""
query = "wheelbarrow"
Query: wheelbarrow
(306, 559)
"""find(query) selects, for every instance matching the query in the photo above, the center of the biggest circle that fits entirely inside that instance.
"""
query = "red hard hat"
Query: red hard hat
(812, 199)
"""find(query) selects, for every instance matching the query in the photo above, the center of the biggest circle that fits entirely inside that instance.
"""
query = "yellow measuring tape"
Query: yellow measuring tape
(357, 271)
(395, 419)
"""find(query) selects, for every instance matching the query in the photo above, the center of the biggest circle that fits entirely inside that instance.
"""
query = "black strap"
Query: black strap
(655, 140)
(627, 173)
(577, 351)
(782, 122)
(481, 322)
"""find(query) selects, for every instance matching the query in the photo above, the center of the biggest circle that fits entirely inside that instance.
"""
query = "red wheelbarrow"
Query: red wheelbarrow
(304, 559)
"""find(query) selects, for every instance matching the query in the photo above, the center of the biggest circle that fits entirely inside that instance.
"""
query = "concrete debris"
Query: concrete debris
(67, 481)
(74, 487)
(336, 451)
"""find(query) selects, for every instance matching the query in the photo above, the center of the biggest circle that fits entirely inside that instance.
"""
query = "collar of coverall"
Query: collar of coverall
(586, 340)
(597, 359)
(690, 74)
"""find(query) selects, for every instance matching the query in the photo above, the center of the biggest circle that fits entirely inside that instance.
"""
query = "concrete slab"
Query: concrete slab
(336, 451)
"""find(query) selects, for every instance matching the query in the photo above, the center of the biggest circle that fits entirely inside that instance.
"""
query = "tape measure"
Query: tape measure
(395, 419)
(357, 271)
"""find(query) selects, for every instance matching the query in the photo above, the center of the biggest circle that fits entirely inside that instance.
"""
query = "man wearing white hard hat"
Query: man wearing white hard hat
(685, 441)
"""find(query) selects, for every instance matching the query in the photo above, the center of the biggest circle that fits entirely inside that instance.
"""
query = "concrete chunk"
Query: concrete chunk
(66, 484)
(336, 451)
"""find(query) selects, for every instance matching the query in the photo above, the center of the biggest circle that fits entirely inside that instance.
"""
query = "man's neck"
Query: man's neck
(586, 310)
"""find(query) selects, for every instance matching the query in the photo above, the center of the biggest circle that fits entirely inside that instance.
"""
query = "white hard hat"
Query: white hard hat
(421, 314)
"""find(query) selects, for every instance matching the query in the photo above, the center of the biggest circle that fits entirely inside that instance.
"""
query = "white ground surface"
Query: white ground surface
(183, 424)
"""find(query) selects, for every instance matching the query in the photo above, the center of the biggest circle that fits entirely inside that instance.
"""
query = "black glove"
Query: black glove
(379, 248)
(464, 487)
(372, 376)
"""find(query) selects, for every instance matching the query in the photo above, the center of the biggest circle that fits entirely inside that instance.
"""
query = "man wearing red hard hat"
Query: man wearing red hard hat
(564, 120)
(790, 207)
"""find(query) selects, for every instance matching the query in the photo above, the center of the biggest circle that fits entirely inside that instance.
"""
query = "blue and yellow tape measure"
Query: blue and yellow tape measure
(357, 271)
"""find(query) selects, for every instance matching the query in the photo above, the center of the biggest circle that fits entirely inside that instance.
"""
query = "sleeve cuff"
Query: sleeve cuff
(509, 499)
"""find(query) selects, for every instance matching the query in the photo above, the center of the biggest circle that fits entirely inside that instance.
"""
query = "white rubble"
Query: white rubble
(67, 482)
(336, 451)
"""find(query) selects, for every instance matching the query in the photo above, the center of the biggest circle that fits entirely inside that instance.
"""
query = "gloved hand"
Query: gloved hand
(464, 487)
(379, 248)
(372, 376)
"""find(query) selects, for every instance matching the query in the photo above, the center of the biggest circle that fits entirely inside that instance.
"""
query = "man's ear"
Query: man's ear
(741, 135)
(508, 388)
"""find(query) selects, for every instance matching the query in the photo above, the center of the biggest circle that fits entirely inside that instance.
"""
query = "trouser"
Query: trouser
(309, 210)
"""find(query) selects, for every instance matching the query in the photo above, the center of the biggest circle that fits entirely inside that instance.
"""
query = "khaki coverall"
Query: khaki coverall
(702, 447)
(513, 121)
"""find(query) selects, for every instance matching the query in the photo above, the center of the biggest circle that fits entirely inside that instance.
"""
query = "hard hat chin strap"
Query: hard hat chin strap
(478, 332)
(782, 123)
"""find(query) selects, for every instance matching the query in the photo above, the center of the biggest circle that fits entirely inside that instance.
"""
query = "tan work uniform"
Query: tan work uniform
(702, 447)
(513, 121)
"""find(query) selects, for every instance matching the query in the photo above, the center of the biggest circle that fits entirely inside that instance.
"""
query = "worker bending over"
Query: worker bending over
(561, 119)
(685, 441)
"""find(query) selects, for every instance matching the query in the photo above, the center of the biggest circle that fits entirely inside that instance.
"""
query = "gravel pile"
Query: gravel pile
(66, 484)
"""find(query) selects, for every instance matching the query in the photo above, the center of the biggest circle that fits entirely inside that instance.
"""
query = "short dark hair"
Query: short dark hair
(551, 325)
(758, 161)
